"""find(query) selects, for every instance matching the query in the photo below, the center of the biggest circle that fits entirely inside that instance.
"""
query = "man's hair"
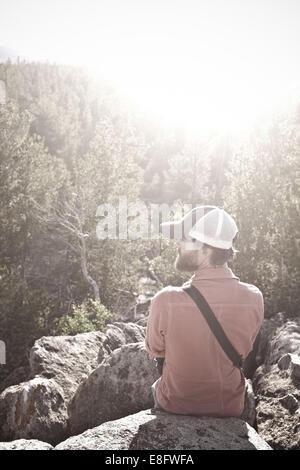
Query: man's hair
(219, 256)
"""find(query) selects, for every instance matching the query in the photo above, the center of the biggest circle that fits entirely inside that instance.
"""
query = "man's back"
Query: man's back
(198, 378)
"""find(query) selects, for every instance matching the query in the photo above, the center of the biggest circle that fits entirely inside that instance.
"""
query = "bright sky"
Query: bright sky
(205, 63)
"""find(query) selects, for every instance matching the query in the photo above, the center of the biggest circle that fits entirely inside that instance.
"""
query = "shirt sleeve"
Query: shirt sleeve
(156, 327)
(260, 316)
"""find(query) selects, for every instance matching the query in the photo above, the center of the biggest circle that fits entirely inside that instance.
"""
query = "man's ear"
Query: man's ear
(206, 250)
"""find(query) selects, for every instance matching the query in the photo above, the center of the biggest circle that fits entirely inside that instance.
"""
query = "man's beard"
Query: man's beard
(186, 262)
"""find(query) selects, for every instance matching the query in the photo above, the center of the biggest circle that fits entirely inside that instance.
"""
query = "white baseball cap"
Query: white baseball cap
(207, 224)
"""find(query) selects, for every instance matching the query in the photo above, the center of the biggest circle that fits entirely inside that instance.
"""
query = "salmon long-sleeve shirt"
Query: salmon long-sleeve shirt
(198, 378)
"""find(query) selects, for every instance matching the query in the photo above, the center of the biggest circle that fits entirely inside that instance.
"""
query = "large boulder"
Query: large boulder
(157, 430)
(261, 344)
(277, 387)
(285, 339)
(67, 359)
(267, 331)
(34, 410)
(37, 408)
(120, 386)
(23, 444)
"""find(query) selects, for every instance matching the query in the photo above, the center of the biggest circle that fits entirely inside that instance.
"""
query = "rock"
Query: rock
(276, 384)
(115, 338)
(24, 444)
(284, 362)
(290, 402)
(157, 430)
(285, 339)
(133, 332)
(121, 385)
(67, 359)
(291, 361)
(34, 410)
(89, 380)
(119, 333)
(143, 322)
(267, 331)
(58, 364)
(295, 368)
(277, 408)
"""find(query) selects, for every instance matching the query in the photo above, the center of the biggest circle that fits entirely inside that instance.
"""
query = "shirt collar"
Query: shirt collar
(220, 272)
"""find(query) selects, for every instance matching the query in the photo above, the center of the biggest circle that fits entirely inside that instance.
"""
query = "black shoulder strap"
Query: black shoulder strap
(214, 325)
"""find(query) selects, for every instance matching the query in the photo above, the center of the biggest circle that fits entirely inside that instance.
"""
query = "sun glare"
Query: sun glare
(223, 84)
(205, 92)
(204, 65)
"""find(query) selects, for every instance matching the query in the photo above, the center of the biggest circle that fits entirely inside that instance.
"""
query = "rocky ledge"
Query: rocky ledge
(92, 391)
(277, 387)
(157, 430)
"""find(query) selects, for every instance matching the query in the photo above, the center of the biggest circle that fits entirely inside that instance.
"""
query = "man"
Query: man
(198, 378)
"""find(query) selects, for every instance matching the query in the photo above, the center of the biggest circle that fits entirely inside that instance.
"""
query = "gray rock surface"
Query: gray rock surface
(34, 410)
(276, 384)
(285, 339)
(277, 408)
(156, 430)
(91, 380)
(267, 331)
(118, 334)
(25, 444)
(37, 408)
(120, 386)
(143, 322)
(67, 359)
(58, 364)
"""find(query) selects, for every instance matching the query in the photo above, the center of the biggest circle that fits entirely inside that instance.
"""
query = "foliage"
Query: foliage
(25, 315)
(264, 197)
(88, 316)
